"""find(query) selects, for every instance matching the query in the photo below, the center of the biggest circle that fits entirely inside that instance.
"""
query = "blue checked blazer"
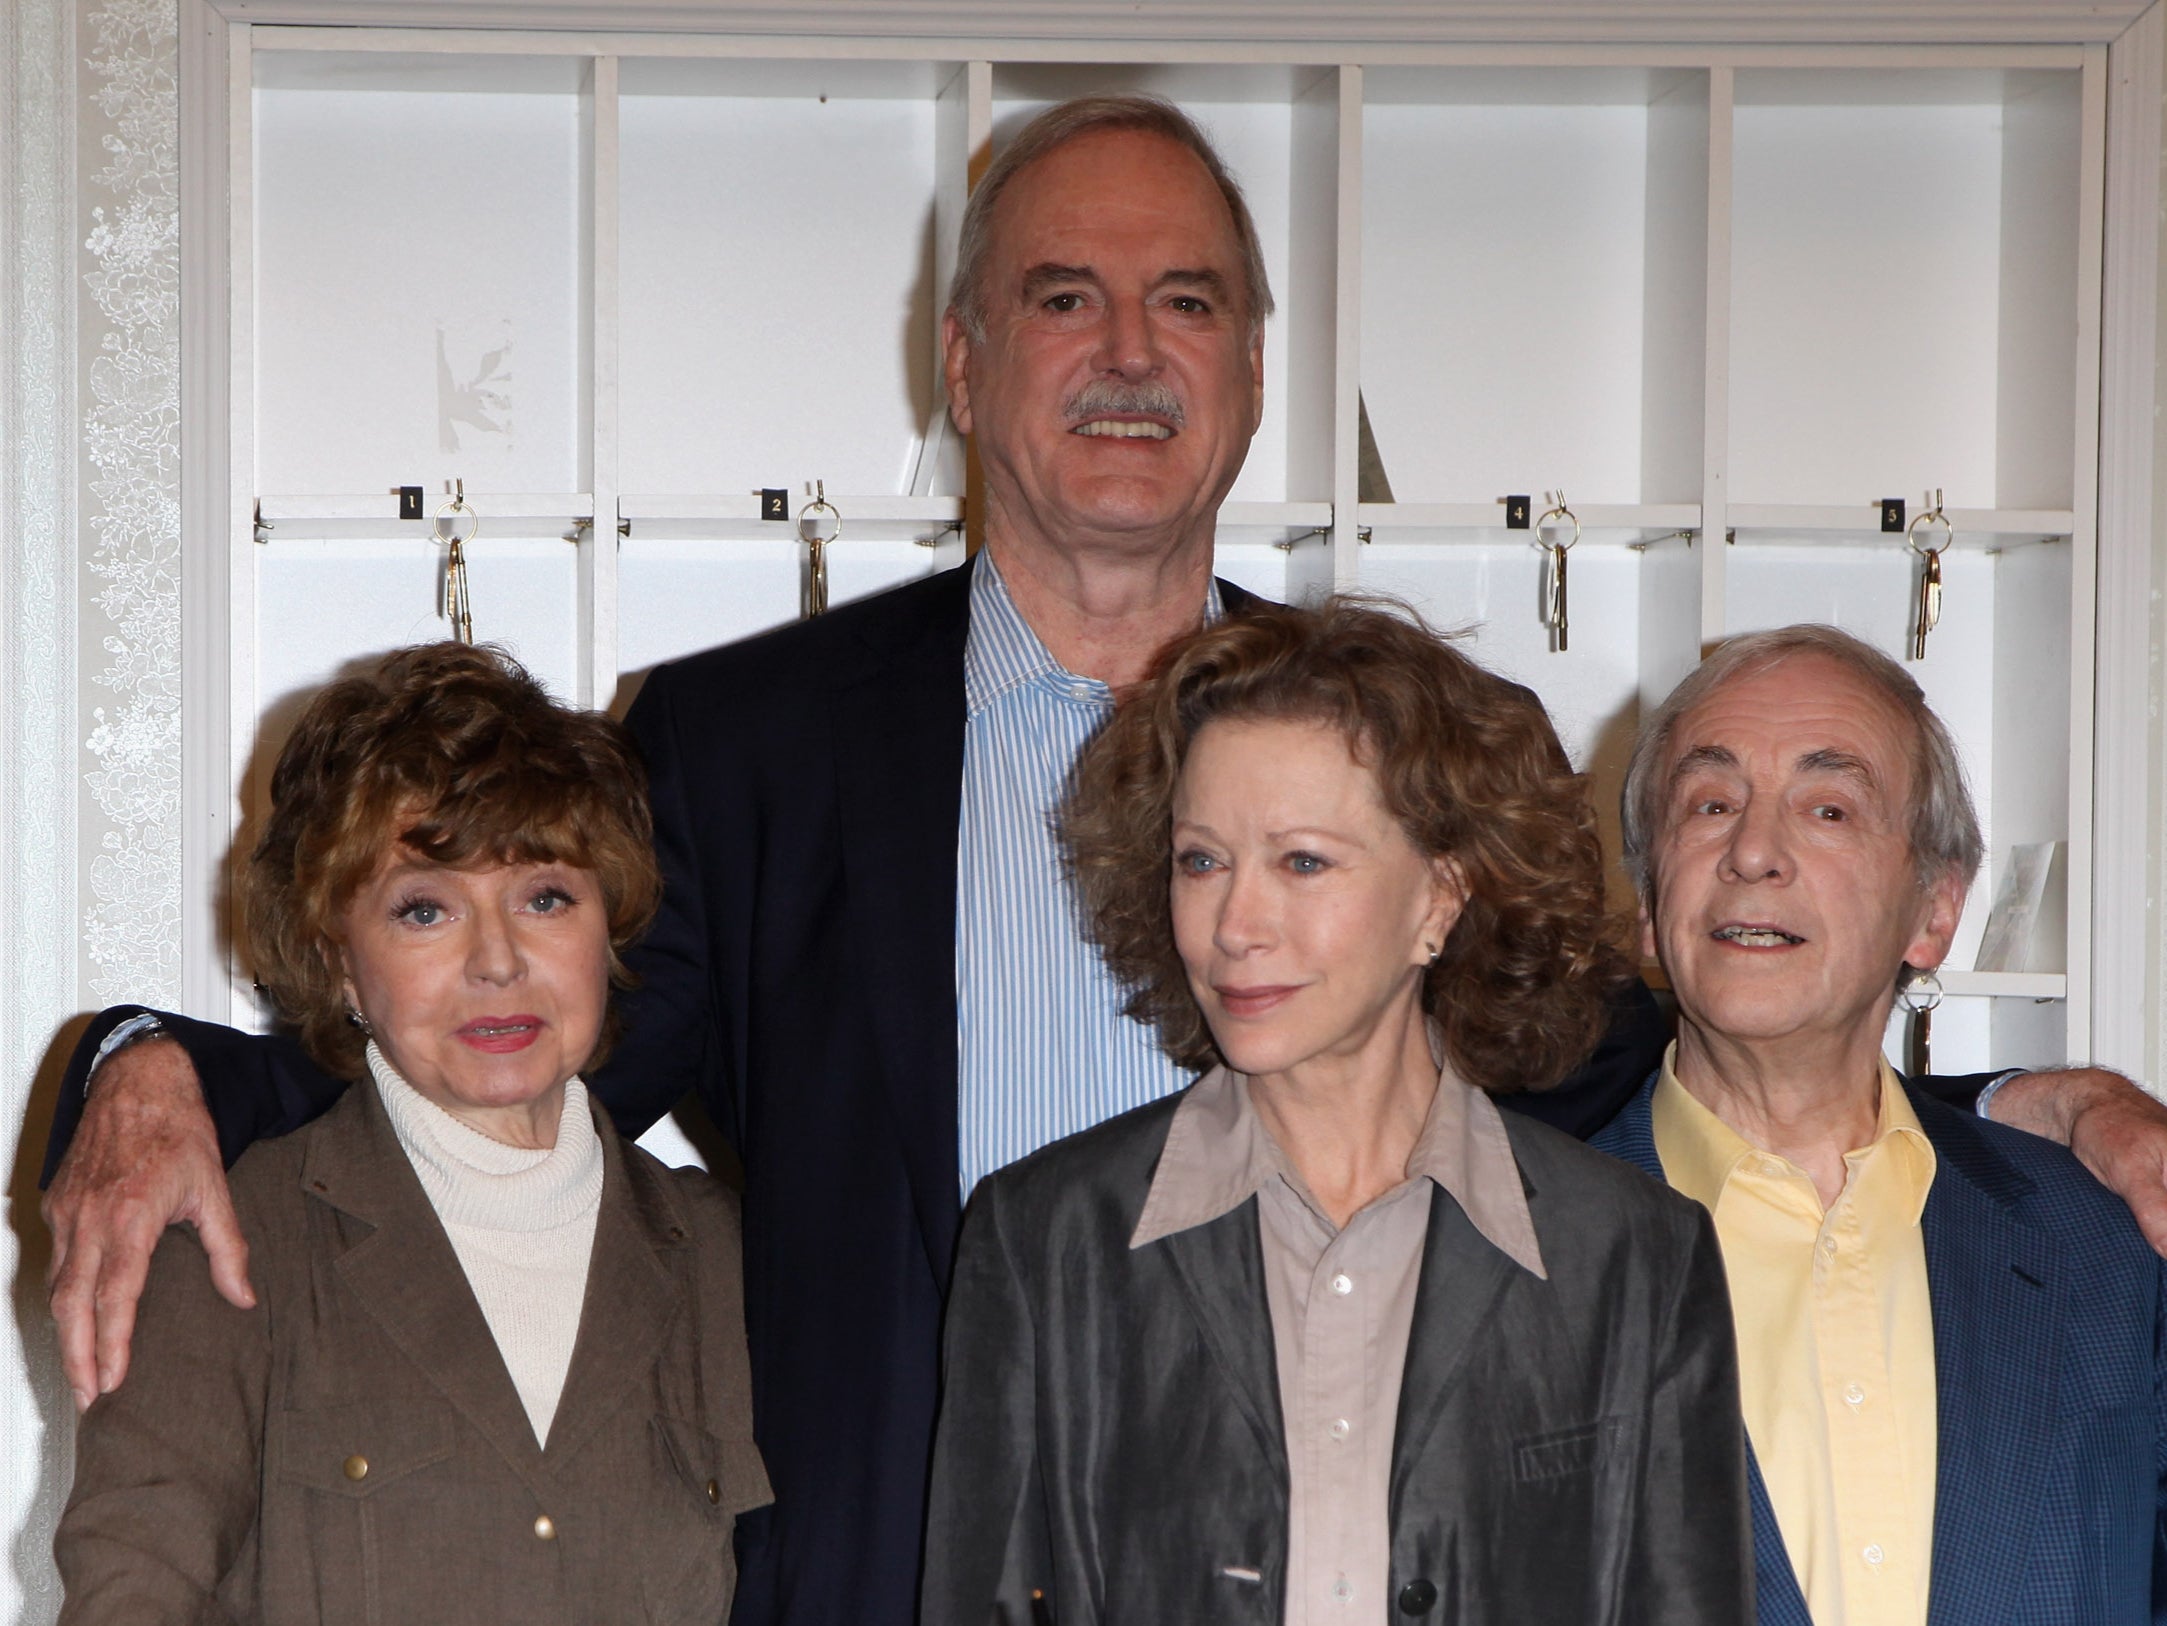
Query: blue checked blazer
(2050, 1362)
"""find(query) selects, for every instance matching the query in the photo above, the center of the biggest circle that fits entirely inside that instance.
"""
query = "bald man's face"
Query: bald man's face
(1116, 390)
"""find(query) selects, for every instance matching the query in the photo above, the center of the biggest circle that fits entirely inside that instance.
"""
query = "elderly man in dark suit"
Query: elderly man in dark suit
(851, 821)
(1952, 1339)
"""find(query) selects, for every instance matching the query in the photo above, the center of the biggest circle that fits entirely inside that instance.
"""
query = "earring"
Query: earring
(361, 1022)
(1434, 951)
(1919, 995)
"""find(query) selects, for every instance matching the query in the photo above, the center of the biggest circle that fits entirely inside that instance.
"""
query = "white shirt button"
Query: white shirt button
(1343, 1284)
(1340, 1428)
(1854, 1395)
(1828, 1246)
(1343, 1591)
(1873, 1554)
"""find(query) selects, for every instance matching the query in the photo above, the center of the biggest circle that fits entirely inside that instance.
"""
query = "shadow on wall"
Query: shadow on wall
(31, 1553)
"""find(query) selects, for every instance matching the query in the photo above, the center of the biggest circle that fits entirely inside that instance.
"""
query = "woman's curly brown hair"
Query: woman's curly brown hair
(1467, 762)
(456, 753)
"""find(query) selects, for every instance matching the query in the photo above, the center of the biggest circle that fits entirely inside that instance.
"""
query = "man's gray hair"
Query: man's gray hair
(1944, 826)
(1061, 124)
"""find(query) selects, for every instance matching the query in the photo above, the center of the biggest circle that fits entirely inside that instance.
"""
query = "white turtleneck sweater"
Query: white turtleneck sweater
(521, 1222)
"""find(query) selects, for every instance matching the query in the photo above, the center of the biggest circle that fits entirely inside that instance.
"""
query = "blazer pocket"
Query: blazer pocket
(1568, 1451)
(710, 1468)
(357, 1451)
(690, 1573)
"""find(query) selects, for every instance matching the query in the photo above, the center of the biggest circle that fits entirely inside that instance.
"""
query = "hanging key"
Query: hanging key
(1919, 1044)
(455, 606)
(1929, 615)
(1559, 623)
(819, 524)
(1920, 993)
(1555, 615)
(1926, 616)
(457, 610)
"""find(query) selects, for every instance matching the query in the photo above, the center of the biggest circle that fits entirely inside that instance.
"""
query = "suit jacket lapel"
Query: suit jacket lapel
(1630, 1137)
(1463, 1276)
(1778, 1599)
(405, 1274)
(899, 781)
(1997, 1288)
(1221, 1269)
(632, 1296)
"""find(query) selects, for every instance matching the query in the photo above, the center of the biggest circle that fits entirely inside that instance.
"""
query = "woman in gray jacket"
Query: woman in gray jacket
(1326, 1337)
(496, 1368)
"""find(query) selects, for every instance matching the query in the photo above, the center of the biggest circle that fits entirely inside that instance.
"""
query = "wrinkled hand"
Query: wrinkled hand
(2114, 1127)
(144, 1157)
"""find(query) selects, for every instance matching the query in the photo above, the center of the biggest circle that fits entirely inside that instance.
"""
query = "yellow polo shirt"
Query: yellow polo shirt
(1835, 1347)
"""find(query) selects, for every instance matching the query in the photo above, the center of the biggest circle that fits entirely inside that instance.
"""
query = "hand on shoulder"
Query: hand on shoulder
(145, 1157)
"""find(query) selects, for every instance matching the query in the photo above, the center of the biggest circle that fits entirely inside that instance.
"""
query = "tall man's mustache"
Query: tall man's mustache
(1106, 397)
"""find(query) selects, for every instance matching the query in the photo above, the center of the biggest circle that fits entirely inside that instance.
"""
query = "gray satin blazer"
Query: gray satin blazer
(353, 1450)
(1110, 1436)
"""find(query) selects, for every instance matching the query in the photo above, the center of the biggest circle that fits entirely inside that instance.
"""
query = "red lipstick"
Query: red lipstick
(500, 1035)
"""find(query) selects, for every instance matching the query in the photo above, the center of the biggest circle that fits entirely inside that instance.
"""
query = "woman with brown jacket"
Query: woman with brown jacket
(496, 1368)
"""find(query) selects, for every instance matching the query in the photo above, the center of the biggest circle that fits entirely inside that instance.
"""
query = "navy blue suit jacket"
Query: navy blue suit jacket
(2050, 1368)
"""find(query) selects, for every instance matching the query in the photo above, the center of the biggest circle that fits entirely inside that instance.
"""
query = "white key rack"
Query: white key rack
(1734, 297)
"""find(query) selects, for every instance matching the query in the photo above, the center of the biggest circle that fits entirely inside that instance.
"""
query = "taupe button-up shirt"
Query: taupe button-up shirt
(1342, 1300)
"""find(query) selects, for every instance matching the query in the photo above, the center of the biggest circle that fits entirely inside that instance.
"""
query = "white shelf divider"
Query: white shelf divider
(735, 508)
(1484, 523)
(598, 604)
(1987, 527)
(2036, 985)
(2084, 548)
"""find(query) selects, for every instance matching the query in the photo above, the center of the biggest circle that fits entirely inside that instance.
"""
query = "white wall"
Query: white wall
(89, 587)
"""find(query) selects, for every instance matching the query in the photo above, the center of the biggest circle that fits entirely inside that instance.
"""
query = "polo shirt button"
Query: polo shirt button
(1854, 1395)
(1340, 1428)
(1873, 1553)
(1343, 1284)
(1418, 1597)
(1343, 1591)
(546, 1527)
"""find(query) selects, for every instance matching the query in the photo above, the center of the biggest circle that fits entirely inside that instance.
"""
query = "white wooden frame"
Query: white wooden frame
(2105, 989)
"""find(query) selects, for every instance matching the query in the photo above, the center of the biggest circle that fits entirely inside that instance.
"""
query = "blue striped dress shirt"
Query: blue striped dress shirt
(1043, 1047)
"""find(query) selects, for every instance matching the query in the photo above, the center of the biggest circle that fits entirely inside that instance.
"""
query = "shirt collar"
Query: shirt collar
(1002, 653)
(1219, 1154)
(1701, 1152)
